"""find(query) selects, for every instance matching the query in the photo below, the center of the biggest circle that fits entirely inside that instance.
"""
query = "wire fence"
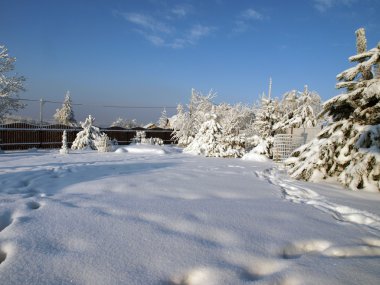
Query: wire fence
(284, 145)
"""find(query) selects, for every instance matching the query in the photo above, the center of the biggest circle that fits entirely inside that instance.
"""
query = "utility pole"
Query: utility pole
(42, 102)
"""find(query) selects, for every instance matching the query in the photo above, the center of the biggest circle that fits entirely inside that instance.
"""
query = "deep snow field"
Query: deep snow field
(154, 215)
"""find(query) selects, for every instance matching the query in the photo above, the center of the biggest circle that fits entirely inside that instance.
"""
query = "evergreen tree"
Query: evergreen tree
(206, 141)
(211, 141)
(349, 147)
(85, 139)
(267, 115)
(10, 86)
(65, 115)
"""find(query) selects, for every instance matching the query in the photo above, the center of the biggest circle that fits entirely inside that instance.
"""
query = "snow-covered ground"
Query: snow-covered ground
(154, 215)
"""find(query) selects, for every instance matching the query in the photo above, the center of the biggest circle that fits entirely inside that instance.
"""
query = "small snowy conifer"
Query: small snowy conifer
(85, 139)
(163, 121)
(64, 149)
(65, 115)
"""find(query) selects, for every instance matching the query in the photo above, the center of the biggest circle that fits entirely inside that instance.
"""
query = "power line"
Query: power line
(95, 105)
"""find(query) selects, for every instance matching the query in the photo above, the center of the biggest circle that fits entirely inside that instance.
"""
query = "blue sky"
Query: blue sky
(152, 52)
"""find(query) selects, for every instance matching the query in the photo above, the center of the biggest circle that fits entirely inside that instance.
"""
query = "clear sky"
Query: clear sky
(152, 52)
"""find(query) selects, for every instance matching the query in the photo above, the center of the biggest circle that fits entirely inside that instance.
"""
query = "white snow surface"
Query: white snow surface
(144, 216)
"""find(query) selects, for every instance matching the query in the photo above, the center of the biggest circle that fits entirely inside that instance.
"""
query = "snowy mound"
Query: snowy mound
(142, 149)
(253, 156)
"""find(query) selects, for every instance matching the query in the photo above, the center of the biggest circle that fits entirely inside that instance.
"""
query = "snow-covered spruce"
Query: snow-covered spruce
(64, 149)
(267, 115)
(210, 141)
(65, 115)
(349, 148)
(85, 139)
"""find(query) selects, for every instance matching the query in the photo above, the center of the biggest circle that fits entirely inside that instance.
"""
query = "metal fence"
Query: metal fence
(284, 145)
(23, 136)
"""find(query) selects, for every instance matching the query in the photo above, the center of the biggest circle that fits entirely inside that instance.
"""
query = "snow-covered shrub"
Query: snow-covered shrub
(140, 135)
(65, 115)
(64, 149)
(85, 139)
(348, 148)
(103, 143)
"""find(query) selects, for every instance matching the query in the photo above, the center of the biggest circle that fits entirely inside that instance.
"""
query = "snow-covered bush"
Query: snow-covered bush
(65, 115)
(141, 138)
(85, 139)
(348, 148)
(103, 143)
(64, 149)
(10, 86)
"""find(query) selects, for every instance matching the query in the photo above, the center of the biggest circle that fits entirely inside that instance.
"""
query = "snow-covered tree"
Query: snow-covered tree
(300, 109)
(64, 149)
(103, 143)
(210, 140)
(191, 120)
(163, 121)
(234, 118)
(85, 139)
(127, 124)
(349, 147)
(267, 115)
(10, 85)
(65, 115)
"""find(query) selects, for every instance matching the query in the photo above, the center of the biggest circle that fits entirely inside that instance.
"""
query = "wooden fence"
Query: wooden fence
(23, 136)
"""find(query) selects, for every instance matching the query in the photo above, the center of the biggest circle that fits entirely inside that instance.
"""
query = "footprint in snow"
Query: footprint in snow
(3, 256)
(33, 205)
(5, 220)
